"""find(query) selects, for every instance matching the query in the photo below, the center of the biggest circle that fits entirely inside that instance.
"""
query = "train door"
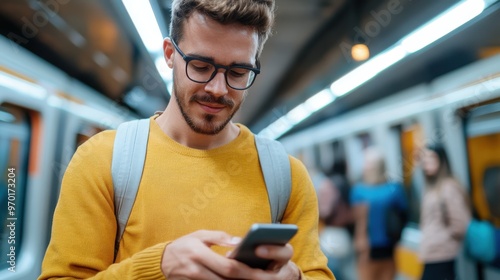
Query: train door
(411, 139)
(483, 147)
(14, 147)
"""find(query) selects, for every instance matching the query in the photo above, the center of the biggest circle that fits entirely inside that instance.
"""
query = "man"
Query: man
(202, 184)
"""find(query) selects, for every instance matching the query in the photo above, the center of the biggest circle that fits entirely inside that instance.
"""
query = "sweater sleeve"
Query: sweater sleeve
(302, 210)
(84, 225)
(457, 209)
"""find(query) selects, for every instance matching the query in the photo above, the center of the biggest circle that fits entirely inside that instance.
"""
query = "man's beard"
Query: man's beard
(209, 127)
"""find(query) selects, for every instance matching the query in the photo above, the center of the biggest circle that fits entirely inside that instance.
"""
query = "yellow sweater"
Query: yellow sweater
(182, 190)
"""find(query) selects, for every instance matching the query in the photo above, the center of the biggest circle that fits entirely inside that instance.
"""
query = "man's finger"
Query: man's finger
(280, 254)
(211, 237)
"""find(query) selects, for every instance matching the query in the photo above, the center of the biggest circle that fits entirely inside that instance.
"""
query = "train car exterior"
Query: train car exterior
(460, 110)
(44, 116)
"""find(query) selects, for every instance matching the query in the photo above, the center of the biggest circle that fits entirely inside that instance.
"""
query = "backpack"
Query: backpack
(482, 242)
(129, 154)
(395, 221)
(396, 218)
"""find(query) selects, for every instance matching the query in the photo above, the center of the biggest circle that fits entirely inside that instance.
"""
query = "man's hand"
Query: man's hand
(190, 257)
(281, 267)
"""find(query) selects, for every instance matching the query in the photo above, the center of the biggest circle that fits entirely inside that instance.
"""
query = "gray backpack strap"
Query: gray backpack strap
(275, 167)
(129, 154)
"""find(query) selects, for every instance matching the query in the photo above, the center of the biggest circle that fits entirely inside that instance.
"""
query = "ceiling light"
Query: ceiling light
(145, 22)
(443, 24)
(120, 75)
(277, 128)
(298, 114)
(360, 52)
(367, 70)
(320, 100)
(101, 59)
(312, 105)
(165, 72)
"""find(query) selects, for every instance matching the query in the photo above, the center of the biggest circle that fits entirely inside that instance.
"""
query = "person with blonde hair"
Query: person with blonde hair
(372, 199)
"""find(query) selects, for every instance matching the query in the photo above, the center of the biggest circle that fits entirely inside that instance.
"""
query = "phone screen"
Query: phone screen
(262, 234)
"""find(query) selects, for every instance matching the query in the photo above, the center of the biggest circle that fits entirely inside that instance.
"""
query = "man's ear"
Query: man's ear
(168, 52)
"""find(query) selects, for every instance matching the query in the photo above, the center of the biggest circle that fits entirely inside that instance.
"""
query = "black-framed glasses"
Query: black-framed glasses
(200, 70)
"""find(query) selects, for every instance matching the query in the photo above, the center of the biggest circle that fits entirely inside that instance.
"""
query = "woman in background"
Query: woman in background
(445, 215)
(335, 221)
(372, 199)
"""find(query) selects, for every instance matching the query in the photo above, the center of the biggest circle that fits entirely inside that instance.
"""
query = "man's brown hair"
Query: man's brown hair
(258, 14)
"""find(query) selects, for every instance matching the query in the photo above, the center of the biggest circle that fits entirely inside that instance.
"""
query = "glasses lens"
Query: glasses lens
(237, 77)
(199, 71)
(240, 78)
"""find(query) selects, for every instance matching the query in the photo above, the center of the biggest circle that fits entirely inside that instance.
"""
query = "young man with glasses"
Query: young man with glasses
(202, 183)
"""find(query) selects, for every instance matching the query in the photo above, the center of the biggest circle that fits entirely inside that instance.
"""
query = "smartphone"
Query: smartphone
(262, 234)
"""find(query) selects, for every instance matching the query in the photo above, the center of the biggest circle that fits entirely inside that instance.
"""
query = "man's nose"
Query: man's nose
(217, 86)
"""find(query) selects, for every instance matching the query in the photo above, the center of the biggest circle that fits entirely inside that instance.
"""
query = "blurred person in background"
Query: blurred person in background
(445, 214)
(371, 201)
(335, 223)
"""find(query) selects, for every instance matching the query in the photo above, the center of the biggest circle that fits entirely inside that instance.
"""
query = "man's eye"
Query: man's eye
(238, 72)
(200, 66)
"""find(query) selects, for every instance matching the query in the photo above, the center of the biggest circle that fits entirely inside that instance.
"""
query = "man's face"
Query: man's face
(208, 107)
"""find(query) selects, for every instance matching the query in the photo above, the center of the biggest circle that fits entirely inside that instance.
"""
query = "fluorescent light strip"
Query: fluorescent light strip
(313, 104)
(277, 128)
(298, 114)
(367, 70)
(145, 22)
(320, 100)
(440, 26)
(165, 72)
(430, 32)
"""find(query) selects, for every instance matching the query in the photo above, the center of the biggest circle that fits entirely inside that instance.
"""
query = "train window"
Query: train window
(339, 159)
(483, 145)
(366, 140)
(355, 155)
(14, 146)
(318, 165)
(330, 158)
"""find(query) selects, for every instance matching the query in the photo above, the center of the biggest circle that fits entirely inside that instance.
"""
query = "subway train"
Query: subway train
(461, 110)
(45, 115)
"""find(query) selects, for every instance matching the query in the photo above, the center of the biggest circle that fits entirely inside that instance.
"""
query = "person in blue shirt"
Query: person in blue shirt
(371, 201)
